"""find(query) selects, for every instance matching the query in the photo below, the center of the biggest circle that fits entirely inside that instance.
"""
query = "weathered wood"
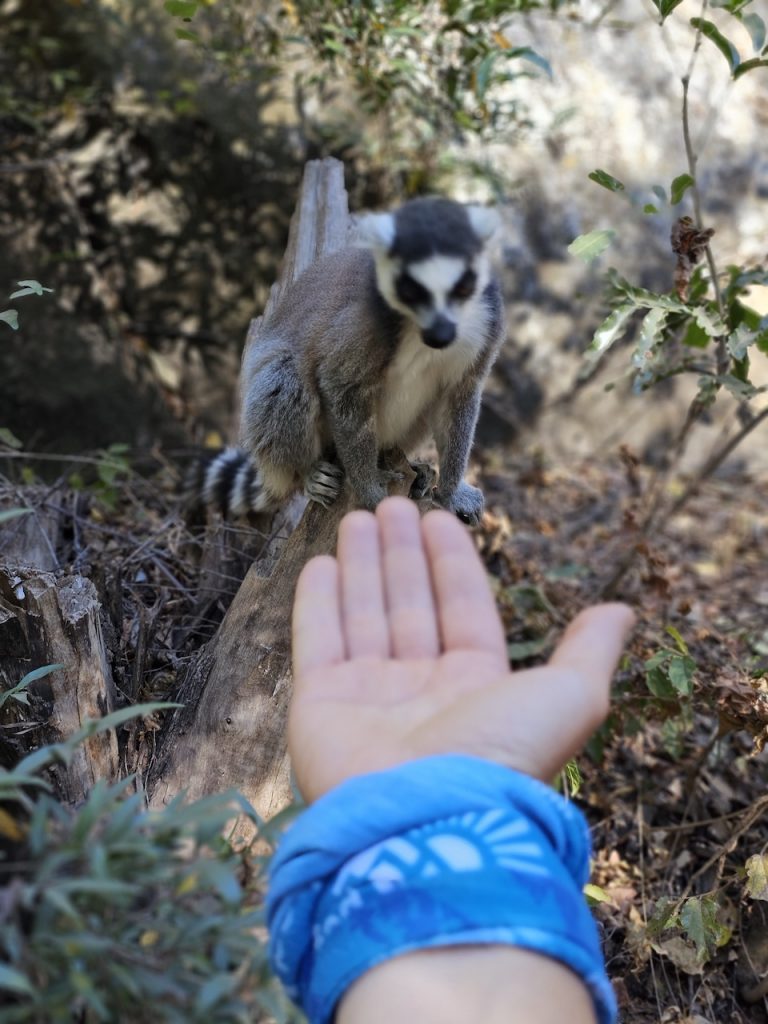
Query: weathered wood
(31, 539)
(232, 731)
(44, 621)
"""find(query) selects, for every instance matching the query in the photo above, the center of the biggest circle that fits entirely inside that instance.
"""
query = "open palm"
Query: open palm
(399, 653)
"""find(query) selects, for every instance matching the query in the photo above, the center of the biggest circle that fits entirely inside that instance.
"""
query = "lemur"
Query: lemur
(375, 347)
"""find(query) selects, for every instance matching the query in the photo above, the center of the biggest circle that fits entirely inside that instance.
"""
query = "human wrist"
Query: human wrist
(495, 984)
(446, 851)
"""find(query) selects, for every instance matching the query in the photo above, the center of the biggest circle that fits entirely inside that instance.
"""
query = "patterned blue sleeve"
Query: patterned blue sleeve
(445, 851)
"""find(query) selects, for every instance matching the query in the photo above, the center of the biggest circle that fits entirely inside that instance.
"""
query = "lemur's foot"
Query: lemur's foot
(323, 483)
(426, 477)
(466, 501)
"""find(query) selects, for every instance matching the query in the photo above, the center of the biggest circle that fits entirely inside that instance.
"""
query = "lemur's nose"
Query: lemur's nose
(440, 333)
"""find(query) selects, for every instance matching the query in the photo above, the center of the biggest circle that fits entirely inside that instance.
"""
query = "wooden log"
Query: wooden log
(45, 621)
(231, 732)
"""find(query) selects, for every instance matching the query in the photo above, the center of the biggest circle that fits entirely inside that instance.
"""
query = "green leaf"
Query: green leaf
(187, 35)
(526, 53)
(755, 25)
(14, 981)
(606, 180)
(665, 915)
(660, 192)
(757, 876)
(740, 389)
(39, 673)
(724, 45)
(651, 334)
(739, 341)
(483, 74)
(650, 208)
(665, 7)
(679, 187)
(10, 317)
(8, 438)
(698, 918)
(594, 894)
(696, 337)
(588, 247)
(680, 672)
(709, 321)
(573, 776)
(750, 65)
(181, 8)
(13, 513)
(682, 646)
(214, 990)
(609, 330)
(29, 288)
(658, 683)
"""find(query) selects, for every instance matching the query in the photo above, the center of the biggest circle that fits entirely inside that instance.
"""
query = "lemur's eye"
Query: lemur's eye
(410, 292)
(465, 286)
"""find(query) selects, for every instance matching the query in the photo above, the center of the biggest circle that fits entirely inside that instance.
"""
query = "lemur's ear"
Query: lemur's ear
(375, 231)
(484, 221)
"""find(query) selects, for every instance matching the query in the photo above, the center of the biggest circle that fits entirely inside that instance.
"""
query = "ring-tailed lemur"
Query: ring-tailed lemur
(375, 347)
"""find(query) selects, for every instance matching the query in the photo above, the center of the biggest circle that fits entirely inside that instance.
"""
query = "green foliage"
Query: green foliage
(112, 469)
(120, 913)
(757, 876)
(751, 21)
(19, 691)
(700, 921)
(572, 778)
(665, 7)
(679, 187)
(13, 513)
(11, 316)
(669, 676)
(588, 247)
(606, 180)
(419, 74)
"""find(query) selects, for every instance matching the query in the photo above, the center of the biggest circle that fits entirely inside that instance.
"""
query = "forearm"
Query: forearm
(492, 984)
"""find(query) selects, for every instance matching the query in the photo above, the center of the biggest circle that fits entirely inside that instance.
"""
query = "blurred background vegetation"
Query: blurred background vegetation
(151, 156)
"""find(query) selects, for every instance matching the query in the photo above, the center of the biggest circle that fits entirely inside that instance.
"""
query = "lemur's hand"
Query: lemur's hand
(467, 502)
(399, 653)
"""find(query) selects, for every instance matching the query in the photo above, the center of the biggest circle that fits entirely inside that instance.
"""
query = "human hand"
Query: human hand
(399, 653)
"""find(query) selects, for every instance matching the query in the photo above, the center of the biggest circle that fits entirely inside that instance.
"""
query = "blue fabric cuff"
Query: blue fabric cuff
(445, 851)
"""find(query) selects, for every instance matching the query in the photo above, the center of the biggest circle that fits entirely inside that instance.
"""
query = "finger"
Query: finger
(593, 642)
(363, 613)
(465, 606)
(411, 612)
(318, 639)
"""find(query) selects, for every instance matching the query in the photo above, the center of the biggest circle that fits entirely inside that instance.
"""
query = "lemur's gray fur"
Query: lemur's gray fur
(376, 347)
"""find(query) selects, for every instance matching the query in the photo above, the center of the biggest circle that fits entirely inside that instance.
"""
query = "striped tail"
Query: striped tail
(230, 482)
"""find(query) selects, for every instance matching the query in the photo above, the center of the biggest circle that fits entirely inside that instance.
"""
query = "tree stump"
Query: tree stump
(47, 621)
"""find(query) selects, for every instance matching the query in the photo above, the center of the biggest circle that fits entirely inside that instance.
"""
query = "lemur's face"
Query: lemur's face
(432, 292)
(431, 263)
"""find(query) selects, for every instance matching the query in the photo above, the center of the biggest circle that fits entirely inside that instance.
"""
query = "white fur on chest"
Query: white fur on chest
(418, 376)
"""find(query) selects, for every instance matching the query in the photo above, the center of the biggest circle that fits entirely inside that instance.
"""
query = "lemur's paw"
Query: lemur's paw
(323, 483)
(466, 501)
(426, 478)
